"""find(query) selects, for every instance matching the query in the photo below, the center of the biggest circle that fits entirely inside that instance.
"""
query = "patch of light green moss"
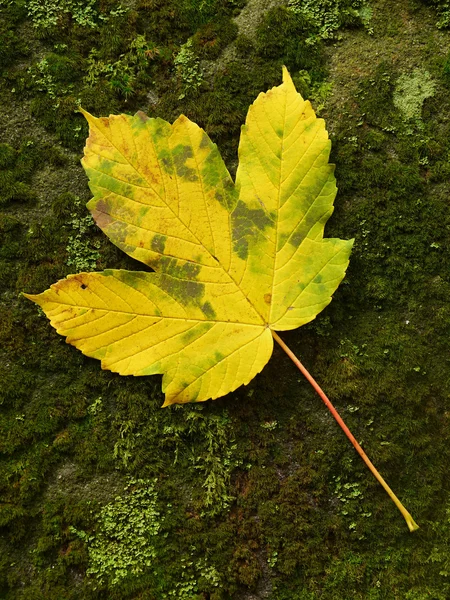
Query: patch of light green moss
(188, 69)
(327, 16)
(82, 252)
(411, 91)
(45, 15)
(192, 571)
(123, 544)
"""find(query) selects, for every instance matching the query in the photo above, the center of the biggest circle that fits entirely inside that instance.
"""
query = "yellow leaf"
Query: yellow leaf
(232, 262)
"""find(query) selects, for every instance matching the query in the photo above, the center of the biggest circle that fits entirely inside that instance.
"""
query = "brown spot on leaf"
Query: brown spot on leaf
(267, 298)
(142, 116)
(101, 215)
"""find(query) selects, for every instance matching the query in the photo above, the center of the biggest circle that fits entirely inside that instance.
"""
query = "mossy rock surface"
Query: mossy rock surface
(257, 495)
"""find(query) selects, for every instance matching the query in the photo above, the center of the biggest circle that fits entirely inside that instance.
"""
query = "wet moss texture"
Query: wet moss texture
(257, 495)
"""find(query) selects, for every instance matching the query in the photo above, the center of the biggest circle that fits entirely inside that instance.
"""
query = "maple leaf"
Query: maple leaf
(233, 262)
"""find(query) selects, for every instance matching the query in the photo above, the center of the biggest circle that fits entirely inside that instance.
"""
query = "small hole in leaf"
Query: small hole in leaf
(83, 286)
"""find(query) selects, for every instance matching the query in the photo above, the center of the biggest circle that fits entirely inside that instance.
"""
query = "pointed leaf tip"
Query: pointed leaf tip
(85, 113)
(89, 118)
(28, 296)
(286, 75)
(287, 81)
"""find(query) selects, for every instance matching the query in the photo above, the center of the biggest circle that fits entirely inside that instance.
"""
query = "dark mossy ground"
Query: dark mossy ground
(259, 494)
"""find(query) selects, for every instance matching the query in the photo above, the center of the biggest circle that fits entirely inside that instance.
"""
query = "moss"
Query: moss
(244, 46)
(282, 34)
(16, 171)
(7, 156)
(13, 46)
(442, 8)
(375, 98)
(175, 21)
(328, 17)
(127, 531)
(99, 100)
(373, 140)
(11, 239)
(411, 90)
(210, 39)
(116, 33)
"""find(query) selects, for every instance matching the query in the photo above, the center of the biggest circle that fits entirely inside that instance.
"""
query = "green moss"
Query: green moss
(213, 37)
(411, 91)
(244, 46)
(82, 251)
(374, 140)
(99, 99)
(7, 156)
(327, 17)
(163, 21)
(16, 171)
(127, 529)
(13, 47)
(53, 13)
(375, 98)
(11, 239)
(283, 34)
(443, 12)
(187, 64)
(52, 82)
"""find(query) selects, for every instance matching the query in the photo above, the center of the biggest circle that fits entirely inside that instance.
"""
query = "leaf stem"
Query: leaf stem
(408, 518)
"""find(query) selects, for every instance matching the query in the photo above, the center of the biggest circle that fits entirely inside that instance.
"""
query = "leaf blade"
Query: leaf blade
(294, 184)
(144, 173)
(135, 325)
(298, 301)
